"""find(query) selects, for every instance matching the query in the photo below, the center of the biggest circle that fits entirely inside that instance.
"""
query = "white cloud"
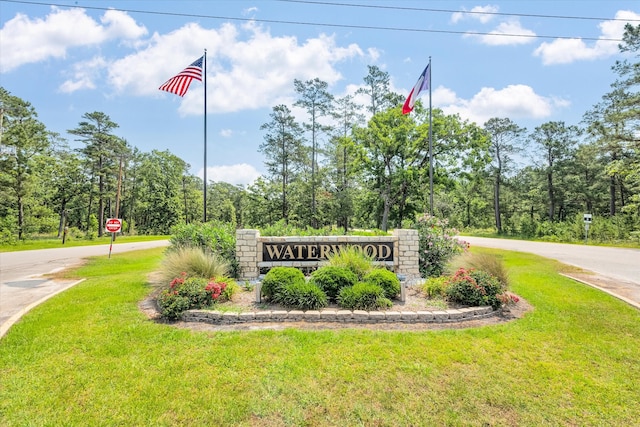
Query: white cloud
(226, 133)
(480, 13)
(508, 32)
(84, 74)
(514, 101)
(248, 68)
(242, 173)
(25, 41)
(566, 51)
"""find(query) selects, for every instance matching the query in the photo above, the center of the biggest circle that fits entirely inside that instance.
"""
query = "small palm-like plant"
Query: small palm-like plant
(195, 263)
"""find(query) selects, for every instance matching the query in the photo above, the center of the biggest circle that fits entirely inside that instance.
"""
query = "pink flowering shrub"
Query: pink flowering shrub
(438, 245)
(507, 299)
(187, 293)
(474, 288)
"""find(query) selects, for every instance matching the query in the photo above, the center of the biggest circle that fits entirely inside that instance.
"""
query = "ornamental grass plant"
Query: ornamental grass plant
(353, 258)
(193, 262)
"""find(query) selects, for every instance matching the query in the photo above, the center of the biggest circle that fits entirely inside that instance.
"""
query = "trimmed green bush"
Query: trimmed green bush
(278, 277)
(386, 279)
(331, 279)
(301, 296)
(363, 296)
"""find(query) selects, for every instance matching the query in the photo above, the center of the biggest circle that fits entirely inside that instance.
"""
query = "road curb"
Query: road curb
(4, 328)
(621, 298)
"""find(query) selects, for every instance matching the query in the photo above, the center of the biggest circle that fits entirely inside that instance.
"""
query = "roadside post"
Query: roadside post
(113, 225)
(587, 222)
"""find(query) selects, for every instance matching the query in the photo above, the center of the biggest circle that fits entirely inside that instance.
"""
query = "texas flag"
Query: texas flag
(421, 85)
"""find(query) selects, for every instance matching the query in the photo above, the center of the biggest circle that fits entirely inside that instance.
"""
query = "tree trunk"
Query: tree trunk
(552, 199)
(63, 213)
(20, 217)
(496, 204)
(612, 196)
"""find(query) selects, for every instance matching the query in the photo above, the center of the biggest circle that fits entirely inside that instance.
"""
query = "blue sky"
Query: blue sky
(68, 58)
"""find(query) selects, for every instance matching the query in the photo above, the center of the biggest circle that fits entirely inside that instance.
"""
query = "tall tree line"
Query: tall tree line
(342, 165)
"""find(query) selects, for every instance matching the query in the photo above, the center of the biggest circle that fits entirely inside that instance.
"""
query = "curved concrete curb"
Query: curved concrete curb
(340, 316)
(4, 328)
(613, 294)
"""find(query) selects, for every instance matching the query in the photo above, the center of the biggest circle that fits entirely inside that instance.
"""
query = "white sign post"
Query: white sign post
(113, 225)
(587, 222)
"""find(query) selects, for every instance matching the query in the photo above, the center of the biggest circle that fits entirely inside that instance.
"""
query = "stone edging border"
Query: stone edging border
(339, 316)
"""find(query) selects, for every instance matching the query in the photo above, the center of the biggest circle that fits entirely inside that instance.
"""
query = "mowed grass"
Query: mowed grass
(90, 357)
(52, 242)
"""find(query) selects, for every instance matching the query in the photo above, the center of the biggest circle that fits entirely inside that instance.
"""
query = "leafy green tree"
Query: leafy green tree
(342, 155)
(284, 150)
(555, 143)
(160, 203)
(261, 204)
(226, 200)
(101, 150)
(387, 151)
(377, 88)
(317, 102)
(505, 138)
(23, 140)
(67, 184)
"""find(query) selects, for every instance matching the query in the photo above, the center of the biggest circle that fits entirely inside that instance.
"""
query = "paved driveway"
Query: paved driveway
(22, 285)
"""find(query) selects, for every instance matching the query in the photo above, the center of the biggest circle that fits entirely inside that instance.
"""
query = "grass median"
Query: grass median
(90, 357)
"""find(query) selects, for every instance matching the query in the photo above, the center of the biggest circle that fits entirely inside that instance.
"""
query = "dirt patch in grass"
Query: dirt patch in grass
(244, 301)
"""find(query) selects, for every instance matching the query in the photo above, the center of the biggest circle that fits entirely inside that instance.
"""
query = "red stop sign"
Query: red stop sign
(113, 225)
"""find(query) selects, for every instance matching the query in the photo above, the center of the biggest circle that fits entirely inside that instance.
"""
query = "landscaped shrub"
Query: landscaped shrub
(187, 293)
(474, 288)
(222, 290)
(353, 258)
(216, 237)
(171, 304)
(194, 262)
(278, 277)
(301, 296)
(488, 263)
(435, 287)
(386, 279)
(437, 245)
(331, 279)
(363, 296)
(194, 289)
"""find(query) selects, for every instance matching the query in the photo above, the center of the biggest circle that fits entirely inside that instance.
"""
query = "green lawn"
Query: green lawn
(90, 357)
(52, 242)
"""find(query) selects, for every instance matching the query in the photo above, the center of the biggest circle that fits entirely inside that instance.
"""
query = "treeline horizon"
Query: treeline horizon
(336, 170)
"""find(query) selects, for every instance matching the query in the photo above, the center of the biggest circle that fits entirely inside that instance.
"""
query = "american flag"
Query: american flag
(179, 84)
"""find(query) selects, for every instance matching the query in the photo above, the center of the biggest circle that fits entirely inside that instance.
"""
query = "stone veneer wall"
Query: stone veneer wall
(249, 251)
(339, 316)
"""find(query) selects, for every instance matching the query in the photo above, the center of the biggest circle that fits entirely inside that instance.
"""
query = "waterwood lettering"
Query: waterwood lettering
(291, 251)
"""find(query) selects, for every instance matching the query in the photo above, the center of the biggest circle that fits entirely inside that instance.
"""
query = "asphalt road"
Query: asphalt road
(619, 264)
(22, 285)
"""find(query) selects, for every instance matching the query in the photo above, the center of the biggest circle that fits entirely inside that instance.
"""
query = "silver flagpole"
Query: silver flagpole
(430, 147)
(204, 72)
